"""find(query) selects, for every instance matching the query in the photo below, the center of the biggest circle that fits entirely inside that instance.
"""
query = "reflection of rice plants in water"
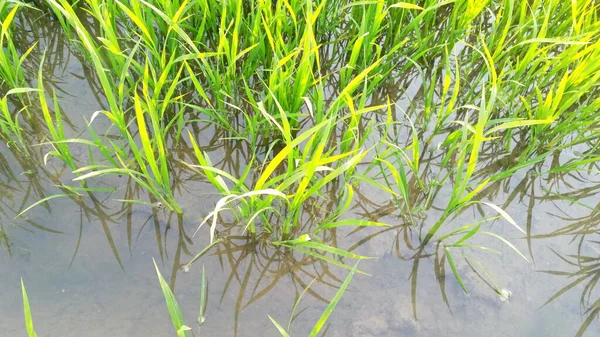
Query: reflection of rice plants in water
(586, 273)
(584, 262)
(317, 105)
(177, 317)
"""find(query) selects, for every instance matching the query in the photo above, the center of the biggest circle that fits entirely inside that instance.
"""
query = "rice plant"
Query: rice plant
(11, 131)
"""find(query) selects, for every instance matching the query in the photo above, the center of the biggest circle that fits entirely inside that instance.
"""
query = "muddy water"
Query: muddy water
(88, 262)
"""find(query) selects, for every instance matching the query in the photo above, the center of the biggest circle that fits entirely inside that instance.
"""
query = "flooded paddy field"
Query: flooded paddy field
(424, 168)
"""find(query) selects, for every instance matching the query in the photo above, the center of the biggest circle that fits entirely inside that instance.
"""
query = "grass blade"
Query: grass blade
(173, 307)
(317, 328)
(27, 312)
(40, 202)
(455, 271)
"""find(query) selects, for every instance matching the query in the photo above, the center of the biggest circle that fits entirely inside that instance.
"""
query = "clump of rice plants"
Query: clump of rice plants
(11, 59)
(269, 73)
(413, 99)
(161, 102)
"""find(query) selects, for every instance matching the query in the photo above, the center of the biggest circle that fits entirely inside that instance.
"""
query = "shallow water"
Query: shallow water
(87, 263)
